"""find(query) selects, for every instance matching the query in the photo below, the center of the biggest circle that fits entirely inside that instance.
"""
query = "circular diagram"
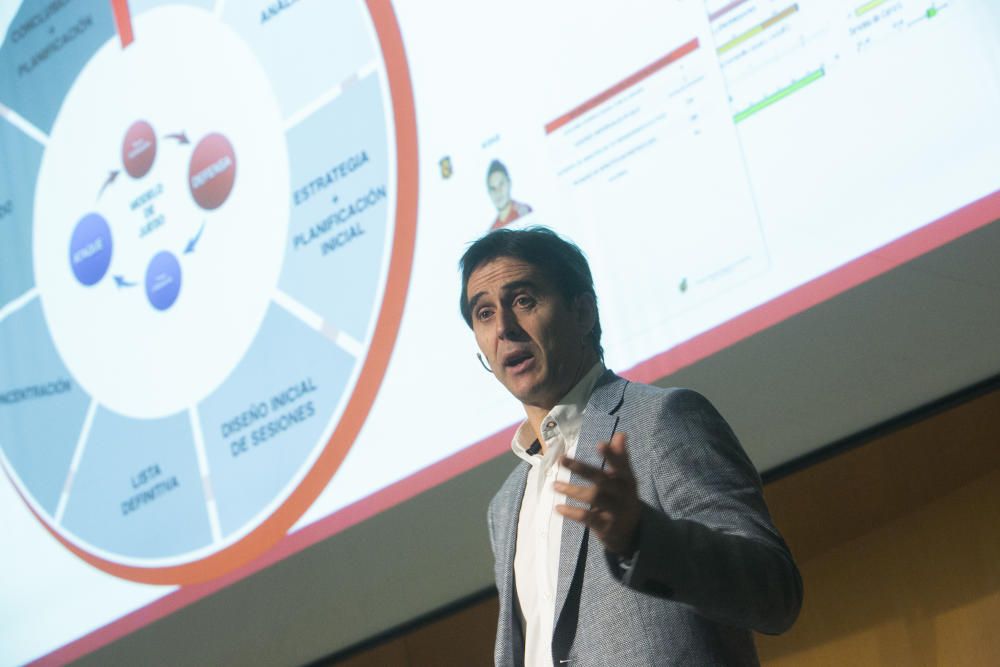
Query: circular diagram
(219, 210)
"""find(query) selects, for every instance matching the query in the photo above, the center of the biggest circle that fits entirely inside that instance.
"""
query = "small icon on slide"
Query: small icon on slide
(90, 249)
(446, 168)
(163, 280)
(139, 149)
(212, 171)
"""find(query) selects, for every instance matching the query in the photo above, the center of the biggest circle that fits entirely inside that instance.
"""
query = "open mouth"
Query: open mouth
(518, 361)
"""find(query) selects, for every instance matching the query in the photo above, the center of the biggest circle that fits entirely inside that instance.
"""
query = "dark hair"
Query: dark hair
(559, 260)
(495, 166)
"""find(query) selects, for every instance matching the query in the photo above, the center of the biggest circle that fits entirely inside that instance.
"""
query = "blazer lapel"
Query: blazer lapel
(598, 426)
(517, 484)
(514, 494)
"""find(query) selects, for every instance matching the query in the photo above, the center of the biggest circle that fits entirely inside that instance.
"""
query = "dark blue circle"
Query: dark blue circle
(90, 249)
(163, 280)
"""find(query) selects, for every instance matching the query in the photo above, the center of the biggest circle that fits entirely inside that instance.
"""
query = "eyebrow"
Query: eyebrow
(509, 287)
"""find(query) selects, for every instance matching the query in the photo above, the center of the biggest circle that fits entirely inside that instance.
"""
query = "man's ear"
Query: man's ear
(585, 312)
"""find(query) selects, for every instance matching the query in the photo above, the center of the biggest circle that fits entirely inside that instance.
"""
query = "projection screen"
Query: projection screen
(229, 234)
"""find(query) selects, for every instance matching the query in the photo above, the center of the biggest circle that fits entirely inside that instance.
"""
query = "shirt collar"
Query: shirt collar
(564, 420)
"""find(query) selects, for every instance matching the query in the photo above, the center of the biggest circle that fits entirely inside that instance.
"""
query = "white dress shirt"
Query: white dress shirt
(539, 526)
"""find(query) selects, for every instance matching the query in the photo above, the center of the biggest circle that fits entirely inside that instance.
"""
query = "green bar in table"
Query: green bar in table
(868, 6)
(780, 95)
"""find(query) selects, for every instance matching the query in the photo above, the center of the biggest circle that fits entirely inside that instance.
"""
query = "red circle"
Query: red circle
(139, 149)
(212, 171)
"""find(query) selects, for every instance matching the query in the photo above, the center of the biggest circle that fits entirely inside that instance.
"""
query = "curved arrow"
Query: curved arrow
(121, 282)
(194, 241)
(181, 137)
(112, 175)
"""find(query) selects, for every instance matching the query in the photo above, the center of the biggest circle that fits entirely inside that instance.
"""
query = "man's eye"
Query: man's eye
(484, 314)
(524, 301)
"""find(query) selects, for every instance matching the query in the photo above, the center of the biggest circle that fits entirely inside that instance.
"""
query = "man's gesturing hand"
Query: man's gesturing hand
(614, 502)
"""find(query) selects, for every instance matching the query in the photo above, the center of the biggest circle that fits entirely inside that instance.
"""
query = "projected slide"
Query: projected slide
(223, 340)
(196, 270)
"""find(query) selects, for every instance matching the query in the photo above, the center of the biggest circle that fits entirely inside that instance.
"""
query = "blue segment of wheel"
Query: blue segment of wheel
(35, 386)
(137, 7)
(20, 156)
(46, 46)
(138, 491)
(336, 239)
(262, 424)
(332, 33)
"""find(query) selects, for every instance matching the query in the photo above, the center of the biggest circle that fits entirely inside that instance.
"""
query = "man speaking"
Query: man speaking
(634, 531)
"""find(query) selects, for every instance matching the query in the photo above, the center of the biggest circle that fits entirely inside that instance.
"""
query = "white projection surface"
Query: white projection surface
(229, 234)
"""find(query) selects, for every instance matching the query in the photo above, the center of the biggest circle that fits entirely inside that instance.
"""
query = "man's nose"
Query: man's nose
(507, 325)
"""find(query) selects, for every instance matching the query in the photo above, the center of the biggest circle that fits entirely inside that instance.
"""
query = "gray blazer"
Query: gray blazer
(710, 565)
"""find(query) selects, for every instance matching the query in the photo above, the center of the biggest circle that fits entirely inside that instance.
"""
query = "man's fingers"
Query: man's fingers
(616, 464)
(586, 494)
(583, 470)
(577, 514)
(616, 459)
(608, 495)
(598, 520)
(613, 504)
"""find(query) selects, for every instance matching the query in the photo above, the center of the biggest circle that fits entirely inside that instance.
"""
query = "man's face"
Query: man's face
(535, 342)
(499, 187)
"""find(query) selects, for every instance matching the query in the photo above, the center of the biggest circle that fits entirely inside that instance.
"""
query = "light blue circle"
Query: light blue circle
(163, 280)
(90, 249)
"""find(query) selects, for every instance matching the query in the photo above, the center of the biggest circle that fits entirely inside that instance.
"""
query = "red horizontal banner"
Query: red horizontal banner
(624, 84)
